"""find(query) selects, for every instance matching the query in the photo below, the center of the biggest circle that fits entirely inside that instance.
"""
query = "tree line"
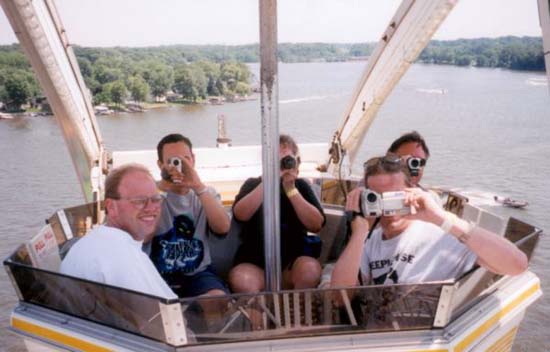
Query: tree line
(195, 72)
(114, 75)
(513, 53)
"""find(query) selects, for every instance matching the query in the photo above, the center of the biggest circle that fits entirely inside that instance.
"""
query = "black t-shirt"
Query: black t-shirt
(292, 230)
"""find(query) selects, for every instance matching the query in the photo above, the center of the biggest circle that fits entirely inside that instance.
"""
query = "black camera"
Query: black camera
(288, 162)
(414, 164)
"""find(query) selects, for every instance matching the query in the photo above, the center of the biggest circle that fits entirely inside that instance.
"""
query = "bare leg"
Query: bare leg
(248, 278)
(304, 273)
(214, 309)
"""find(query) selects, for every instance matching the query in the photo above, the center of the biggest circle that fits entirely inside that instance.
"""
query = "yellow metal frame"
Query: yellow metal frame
(58, 337)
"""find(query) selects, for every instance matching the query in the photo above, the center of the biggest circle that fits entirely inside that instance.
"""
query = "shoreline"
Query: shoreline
(131, 107)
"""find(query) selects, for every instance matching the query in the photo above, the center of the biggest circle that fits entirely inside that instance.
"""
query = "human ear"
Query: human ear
(110, 207)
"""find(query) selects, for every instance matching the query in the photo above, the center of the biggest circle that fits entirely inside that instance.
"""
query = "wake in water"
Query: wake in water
(536, 81)
(310, 98)
(432, 90)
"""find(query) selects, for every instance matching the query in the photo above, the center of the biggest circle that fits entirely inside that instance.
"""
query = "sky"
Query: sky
(231, 22)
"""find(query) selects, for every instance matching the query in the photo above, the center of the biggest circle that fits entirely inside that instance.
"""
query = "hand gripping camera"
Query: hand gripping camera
(288, 162)
(414, 164)
(385, 204)
(175, 162)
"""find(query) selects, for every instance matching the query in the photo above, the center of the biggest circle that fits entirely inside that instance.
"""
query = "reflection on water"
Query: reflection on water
(20, 122)
(490, 131)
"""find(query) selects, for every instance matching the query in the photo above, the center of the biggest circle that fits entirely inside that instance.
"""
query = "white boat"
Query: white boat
(479, 312)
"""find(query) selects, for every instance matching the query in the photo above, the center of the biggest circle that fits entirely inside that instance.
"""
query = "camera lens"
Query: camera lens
(288, 162)
(175, 162)
(414, 163)
(371, 197)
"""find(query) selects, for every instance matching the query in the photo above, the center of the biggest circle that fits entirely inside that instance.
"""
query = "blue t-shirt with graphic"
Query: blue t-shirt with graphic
(180, 246)
(177, 251)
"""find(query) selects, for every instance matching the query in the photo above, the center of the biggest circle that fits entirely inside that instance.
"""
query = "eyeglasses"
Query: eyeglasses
(141, 202)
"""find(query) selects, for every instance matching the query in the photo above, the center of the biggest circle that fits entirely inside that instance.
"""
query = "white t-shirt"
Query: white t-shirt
(111, 256)
(422, 253)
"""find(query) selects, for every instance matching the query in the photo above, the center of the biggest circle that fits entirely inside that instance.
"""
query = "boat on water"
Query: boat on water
(512, 203)
(478, 312)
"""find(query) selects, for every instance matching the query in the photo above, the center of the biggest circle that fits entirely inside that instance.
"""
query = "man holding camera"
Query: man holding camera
(190, 213)
(300, 212)
(413, 149)
(428, 244)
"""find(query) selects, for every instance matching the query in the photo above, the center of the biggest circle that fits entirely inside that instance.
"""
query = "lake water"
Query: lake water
(487, 129)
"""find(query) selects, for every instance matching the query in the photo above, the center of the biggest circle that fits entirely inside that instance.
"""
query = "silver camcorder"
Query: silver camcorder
(385, 204)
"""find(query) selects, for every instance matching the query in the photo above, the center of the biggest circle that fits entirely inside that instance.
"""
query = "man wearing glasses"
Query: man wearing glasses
(191, 212)
(429, 244)
(111, 253)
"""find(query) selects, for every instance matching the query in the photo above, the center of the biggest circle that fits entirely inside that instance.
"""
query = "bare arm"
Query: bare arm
(489, 247)
(348, 264)
(245, 207)
(307, 213)
(216, 216)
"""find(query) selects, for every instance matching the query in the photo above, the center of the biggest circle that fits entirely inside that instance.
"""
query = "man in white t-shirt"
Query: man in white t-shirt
(429, 244)
(111, 253)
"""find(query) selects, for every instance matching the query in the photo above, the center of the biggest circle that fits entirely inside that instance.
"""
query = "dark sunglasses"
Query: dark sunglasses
(389, 159)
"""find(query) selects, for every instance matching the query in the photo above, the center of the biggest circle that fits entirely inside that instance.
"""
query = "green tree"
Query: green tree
(189, 82)
(103, 96)
(242, 88)
(139, 89)
(16, 89)
(118, 91)
(159, 76)
(85, 67)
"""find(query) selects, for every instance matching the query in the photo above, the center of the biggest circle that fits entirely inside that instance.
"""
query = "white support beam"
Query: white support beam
(544, 17)
(43, 39)
(406, 36)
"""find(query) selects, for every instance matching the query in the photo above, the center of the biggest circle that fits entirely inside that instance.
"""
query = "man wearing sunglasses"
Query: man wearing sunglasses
(111, 253)
(429, 244)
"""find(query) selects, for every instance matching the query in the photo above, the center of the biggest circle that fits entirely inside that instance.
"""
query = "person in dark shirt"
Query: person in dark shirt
(300, 212)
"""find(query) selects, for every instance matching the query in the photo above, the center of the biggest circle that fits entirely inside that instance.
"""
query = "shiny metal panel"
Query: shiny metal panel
(269, 80)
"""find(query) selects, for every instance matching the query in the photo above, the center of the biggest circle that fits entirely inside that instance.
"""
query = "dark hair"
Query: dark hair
(411, 137)
(172, 138)
(386, 165)
(113, 180)
(286, 140)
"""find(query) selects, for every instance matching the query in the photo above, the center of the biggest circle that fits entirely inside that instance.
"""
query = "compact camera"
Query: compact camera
(414, 164)
(175, 162)
(385, 204)
(288, 162)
